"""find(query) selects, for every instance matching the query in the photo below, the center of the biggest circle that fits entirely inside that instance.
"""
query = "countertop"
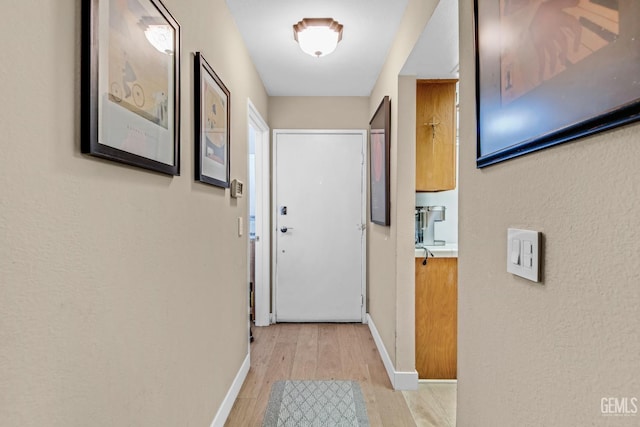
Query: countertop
(450, 250)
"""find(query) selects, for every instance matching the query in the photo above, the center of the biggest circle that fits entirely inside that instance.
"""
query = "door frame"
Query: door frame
(363, 219)
(262, 287)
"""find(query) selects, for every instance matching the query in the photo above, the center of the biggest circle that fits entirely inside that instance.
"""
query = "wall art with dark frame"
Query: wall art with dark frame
(379, 163)
(130, 83)
(212, 122)
(548, 72)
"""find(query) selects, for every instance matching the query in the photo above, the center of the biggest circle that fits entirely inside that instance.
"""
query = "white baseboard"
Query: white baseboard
(381, 349)
(399, 380)
(232, 394)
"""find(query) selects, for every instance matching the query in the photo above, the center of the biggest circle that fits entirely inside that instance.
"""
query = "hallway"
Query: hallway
(124, 291)
(318, 351)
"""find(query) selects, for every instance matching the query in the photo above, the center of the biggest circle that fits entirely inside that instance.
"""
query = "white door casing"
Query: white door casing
(319, 244)
(262, 288)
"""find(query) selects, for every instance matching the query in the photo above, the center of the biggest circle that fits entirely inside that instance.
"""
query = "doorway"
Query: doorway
(259, 216)
(319, 226)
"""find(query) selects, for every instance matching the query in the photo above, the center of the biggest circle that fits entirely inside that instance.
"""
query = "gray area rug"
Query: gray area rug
(315, 404)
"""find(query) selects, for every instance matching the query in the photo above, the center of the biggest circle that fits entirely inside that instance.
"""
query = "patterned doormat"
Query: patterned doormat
(315, 404)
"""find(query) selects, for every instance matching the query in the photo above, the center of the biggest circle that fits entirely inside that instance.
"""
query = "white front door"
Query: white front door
(319, 212)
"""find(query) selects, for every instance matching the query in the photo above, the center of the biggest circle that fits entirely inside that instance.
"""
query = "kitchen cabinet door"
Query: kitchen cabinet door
(436, 318)
(435, 135)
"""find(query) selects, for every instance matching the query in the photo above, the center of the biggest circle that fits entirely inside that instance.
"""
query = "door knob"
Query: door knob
(285, 229)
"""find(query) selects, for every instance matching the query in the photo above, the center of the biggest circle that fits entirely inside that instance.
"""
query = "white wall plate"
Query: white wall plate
(523, 253)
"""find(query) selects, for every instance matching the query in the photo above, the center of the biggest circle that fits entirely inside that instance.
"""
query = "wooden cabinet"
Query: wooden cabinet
(435, 135)
(436, 318)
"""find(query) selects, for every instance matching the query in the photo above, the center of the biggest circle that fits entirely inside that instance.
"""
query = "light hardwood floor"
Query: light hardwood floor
(433, 404)
(289, 351)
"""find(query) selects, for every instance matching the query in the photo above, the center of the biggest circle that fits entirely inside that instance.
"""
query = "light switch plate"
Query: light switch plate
(523, 253)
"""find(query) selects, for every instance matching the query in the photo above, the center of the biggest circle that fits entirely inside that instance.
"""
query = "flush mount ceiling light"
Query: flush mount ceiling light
(317, 36)
(158, 33)
(160, 37)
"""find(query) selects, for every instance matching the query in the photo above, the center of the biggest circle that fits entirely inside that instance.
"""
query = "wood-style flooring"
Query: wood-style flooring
(290, 351)
(433, 404)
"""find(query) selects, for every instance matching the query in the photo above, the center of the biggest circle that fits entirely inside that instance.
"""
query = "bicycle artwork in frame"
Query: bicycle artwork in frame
(130, 83)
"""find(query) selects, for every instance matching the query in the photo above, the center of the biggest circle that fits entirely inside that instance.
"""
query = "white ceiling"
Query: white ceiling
(353, 68)
(435, 55)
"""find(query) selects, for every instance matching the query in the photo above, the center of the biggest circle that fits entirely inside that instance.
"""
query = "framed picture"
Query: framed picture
(212, 121)
(130, 83)
(552, 71)
(379, 149)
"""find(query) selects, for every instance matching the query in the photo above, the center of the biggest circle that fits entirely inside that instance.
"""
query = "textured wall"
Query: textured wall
(123, 292)
(545, 354)
(319, 112)
(406, 177)
(391, 256)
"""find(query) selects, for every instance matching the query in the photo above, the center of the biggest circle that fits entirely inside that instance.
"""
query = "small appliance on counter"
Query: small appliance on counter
(426, 217)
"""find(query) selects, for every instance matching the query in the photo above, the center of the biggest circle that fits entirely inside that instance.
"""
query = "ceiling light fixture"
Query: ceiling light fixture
(160, 37)
(317, 36)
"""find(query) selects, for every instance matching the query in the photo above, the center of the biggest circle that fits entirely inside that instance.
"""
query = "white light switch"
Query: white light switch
(515, 251)
(240, 226)
(523, 253)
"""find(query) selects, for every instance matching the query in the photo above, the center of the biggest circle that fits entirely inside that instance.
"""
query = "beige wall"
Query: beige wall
(123, 292)
(545, 354)
(319, 112)
(405, 274)
(391, 253)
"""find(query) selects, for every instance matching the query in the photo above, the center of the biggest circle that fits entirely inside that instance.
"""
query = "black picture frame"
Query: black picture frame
(380, 164)
(551, 72)
(212, 126)
(130, 82)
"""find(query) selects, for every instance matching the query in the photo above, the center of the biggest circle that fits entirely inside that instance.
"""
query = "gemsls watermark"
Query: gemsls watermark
(619, 406)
